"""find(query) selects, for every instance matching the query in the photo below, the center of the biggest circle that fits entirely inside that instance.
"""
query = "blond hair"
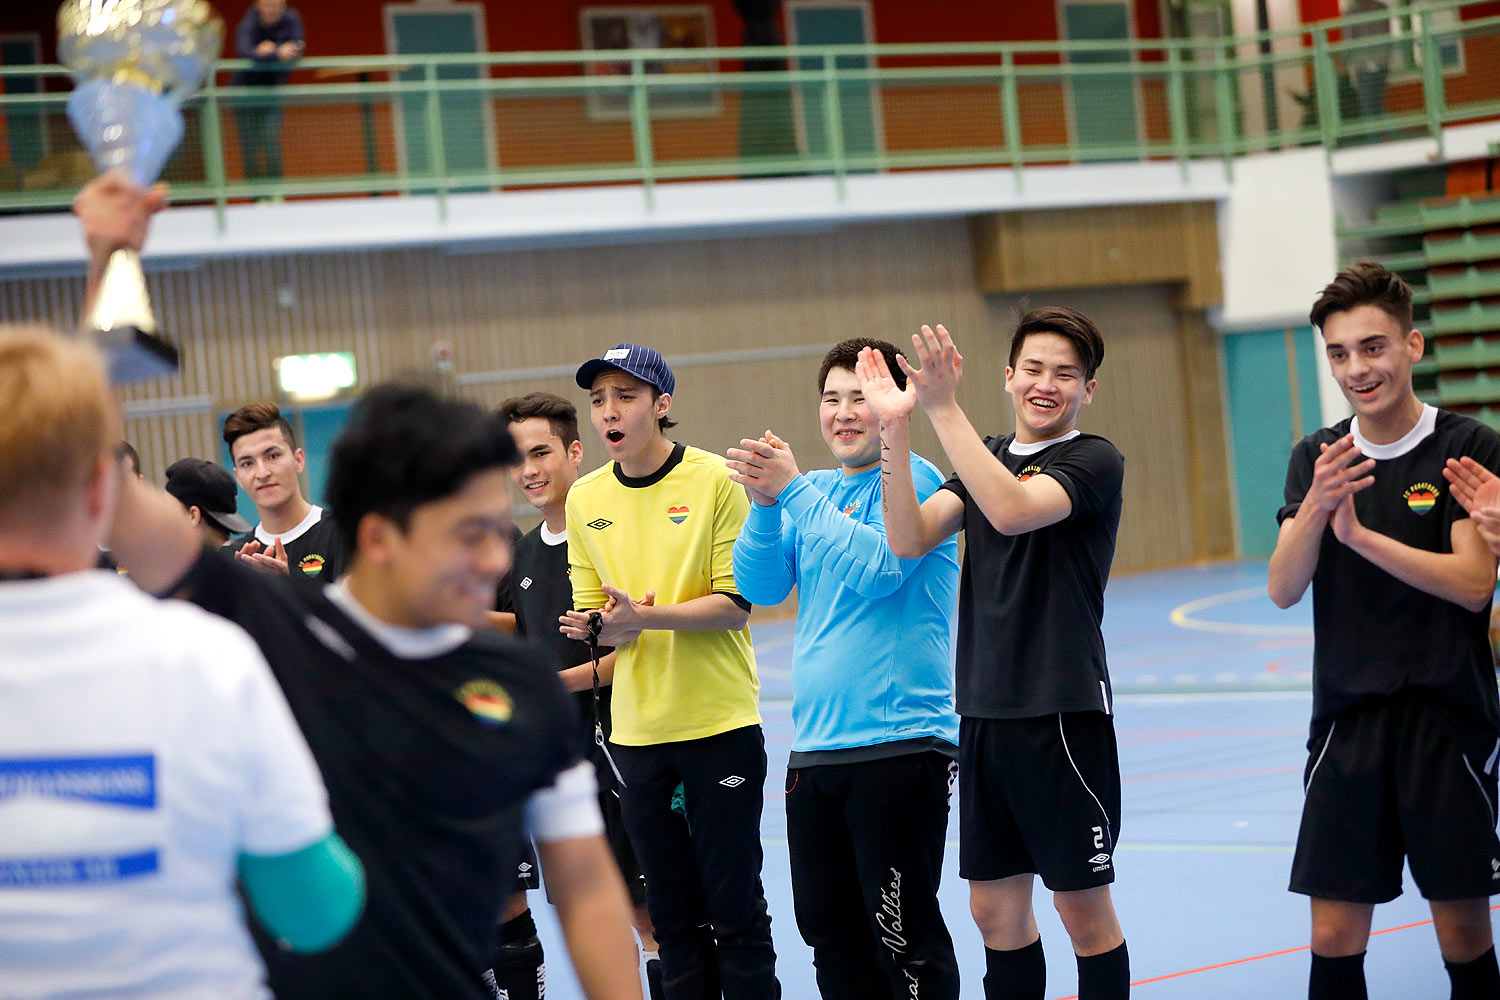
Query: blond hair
(58, 419)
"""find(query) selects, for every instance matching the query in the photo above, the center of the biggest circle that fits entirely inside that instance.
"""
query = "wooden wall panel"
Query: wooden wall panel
(1107, 245)
(1140, 406)
(523, 320)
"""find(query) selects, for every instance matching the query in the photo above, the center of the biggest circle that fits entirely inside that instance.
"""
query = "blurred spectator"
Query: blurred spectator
(1368, 60)
(271, 34)
(206, 492)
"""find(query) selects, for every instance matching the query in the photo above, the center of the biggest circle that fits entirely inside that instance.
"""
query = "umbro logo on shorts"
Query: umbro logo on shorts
(526, 583)
(733, 781)
(599, 523)
(1099, 859)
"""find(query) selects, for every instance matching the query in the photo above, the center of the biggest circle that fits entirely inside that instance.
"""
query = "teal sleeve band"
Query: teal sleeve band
(308, 899)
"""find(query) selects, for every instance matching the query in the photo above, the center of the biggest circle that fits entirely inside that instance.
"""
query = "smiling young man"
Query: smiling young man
(539, 591)
(293, 536)
(650, 542)
(437, 738)
(875, 735)
(1406, 718)
(1040, 508)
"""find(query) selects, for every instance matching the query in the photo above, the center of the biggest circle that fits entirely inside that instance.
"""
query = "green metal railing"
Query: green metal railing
(458, 123)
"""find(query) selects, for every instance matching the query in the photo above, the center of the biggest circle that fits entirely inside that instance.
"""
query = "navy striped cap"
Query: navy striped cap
(645, 363)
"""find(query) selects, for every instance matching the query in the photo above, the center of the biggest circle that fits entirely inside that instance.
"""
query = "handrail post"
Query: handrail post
(1326, 86)
(640, 131)
(833, 121)
(213, 150)
(437, 156)
(1224, 109)
(1010, 104)
(1177, 109)
(1433, 97)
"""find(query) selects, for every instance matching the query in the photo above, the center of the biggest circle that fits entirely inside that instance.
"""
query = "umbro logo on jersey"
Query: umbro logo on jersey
(526, 583)
(733, 781)
(599, 523)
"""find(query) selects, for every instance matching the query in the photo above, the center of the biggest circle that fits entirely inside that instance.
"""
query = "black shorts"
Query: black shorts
(1040, 796)
(1395, 778)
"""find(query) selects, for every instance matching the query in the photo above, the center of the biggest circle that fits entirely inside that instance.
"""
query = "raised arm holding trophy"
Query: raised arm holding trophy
(134, 63)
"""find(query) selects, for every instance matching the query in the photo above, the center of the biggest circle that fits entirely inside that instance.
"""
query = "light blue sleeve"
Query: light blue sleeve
(309, 899)
(854, 552)
(765, 560)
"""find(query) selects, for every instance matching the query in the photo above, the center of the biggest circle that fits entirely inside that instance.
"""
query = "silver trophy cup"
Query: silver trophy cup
(134, 62)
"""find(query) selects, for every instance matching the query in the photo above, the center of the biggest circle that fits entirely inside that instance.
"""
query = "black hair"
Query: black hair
(845, 353)
(1071, 325)
(1365, 283)
(406, 446)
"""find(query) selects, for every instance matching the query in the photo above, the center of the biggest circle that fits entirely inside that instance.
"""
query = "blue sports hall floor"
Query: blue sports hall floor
(1212, 685)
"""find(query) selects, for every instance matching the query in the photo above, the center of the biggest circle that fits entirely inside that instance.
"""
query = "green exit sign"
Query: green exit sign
(311, 378)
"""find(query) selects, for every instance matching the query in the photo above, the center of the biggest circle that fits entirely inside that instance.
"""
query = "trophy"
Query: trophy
(134, 63)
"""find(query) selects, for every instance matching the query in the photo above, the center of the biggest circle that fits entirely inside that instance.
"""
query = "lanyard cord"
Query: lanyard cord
(596, 625)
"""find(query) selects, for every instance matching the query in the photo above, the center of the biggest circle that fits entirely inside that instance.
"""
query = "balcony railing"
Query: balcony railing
(456, 123)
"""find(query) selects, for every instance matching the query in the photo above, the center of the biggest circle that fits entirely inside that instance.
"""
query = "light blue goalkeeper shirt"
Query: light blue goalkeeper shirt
(872, 656)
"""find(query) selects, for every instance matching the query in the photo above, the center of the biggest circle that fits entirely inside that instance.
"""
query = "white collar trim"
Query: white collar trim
(314, 515)
(548, 538)
(1031, 448)
(407, 643)
(1426, 424)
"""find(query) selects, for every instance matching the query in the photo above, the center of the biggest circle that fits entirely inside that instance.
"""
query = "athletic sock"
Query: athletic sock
(1337, 978)
(1020, 974)
(653, 975)
(1478, 979)
(1106, 976)
(518, 969)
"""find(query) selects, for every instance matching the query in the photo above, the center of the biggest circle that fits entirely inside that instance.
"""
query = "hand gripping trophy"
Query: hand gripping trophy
(134, 63)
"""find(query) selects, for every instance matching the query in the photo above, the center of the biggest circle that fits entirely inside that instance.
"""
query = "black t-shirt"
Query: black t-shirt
(1031, 606)
(428, 764)
(1373, 634)
(538, 590)
(316, 554)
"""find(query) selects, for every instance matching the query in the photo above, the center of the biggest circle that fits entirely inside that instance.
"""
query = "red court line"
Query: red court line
(1257, 958)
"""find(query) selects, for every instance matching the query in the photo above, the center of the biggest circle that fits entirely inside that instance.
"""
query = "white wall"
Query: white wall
(1277, 249)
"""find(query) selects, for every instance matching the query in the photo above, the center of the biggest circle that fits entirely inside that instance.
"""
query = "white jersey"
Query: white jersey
(144, 746)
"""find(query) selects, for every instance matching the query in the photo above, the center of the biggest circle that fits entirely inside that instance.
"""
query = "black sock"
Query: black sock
(1478, 979)
(653, 979)
(1015, 975)
(1106, 976)
(1337, 978)
(518, 969)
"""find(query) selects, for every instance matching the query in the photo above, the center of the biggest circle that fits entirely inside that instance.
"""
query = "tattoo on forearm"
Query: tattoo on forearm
(885, 475)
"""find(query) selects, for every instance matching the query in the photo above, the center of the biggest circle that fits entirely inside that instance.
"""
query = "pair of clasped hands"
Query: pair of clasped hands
(1339, 473)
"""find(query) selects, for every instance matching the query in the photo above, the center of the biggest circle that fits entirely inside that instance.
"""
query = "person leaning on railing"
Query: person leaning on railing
(271, 34)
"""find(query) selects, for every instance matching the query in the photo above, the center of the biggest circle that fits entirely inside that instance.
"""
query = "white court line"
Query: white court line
(1180, 617)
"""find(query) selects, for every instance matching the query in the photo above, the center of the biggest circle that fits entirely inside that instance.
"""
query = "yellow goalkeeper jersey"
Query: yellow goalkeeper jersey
(672, 532)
